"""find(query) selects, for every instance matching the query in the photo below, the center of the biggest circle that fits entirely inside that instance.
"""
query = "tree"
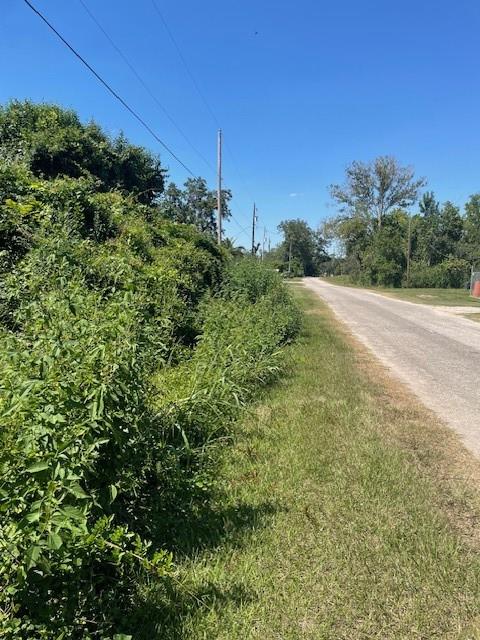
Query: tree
(353, 233)
(302, 244)
(438, 231)
(384, 260)
(471, 241)
(429, 206)
(375, 188)
(196, 204)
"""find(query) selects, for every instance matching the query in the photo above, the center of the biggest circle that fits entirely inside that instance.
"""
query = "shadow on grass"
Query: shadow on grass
(166, 605)
(208, 528)
(167, 613)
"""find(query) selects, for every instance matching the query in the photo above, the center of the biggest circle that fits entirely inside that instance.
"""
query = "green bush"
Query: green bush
(53, 143)
(129, 346)
(451, 273)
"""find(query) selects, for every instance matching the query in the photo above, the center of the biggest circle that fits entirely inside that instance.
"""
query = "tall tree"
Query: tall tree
(195, 204)
(376, 188)
(429, 206)
(384, 260)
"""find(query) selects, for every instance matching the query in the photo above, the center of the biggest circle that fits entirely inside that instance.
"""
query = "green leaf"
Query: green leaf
(78, 492)
(33, 516)
(54, 541)
(73, 512)
(113, 492)
(32, 556)
(37, 467)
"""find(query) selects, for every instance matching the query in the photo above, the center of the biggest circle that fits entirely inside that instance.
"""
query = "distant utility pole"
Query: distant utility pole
(290, 257)
(254, 222)
(409, 248)
(219, 189)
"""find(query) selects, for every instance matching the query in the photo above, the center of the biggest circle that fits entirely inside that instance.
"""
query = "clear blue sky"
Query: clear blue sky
(300, 89)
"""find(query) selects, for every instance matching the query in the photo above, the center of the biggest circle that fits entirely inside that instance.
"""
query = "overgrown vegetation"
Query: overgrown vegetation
(130, 343)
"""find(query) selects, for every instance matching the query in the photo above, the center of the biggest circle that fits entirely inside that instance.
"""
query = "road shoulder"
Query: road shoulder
(349, 511)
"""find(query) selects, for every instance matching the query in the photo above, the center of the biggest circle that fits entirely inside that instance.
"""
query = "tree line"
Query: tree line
(386, 232)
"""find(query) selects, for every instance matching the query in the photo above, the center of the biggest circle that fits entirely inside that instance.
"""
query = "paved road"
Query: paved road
(436, 353)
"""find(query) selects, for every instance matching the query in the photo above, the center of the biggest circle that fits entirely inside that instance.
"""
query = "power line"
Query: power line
(242, 229)
(185, 64)
(198, 89)
(143, 83)
(108, 87)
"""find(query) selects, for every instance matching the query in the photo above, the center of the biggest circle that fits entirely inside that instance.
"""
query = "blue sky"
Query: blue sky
(300, 89)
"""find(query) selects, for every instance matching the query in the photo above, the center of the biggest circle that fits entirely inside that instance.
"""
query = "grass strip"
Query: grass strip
(346, 513)
(437, 296)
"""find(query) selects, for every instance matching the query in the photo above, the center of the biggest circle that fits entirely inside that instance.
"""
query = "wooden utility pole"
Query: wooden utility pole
(254, 221)
(219, 188)
(409, 248)
(290, 257)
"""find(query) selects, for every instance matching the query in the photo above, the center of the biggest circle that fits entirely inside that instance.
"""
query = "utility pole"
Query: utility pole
(254, 220)
(409, 248)
(219, 188)
(290, 257)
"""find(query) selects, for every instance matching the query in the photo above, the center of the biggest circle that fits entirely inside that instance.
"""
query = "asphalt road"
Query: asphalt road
(436, 353)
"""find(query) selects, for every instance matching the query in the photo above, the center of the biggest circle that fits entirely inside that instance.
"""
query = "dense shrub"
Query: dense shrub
(451, 273)
(53, 142)
(129, 346)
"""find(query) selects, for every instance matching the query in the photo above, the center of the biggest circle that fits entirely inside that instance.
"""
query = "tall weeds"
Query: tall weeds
(129, 346)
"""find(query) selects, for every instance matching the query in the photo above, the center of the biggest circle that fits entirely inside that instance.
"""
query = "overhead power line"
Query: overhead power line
(144, 84)
(198, 89)
(185, 63)
(108, 87)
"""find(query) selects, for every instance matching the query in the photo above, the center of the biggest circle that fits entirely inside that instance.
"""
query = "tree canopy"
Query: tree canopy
(375, 188)
(195, 204)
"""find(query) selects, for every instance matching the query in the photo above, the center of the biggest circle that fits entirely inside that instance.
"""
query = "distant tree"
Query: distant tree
(353, 233)
(308, 247)
(384, 260)
(438, 231)
(471, 240)
(375, 188)
(195, 204)
(429, 206)
(451, 230)
(172, 205)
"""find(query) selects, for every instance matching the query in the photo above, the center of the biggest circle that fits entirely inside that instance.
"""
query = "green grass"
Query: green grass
(340, 519)
(447, 297)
